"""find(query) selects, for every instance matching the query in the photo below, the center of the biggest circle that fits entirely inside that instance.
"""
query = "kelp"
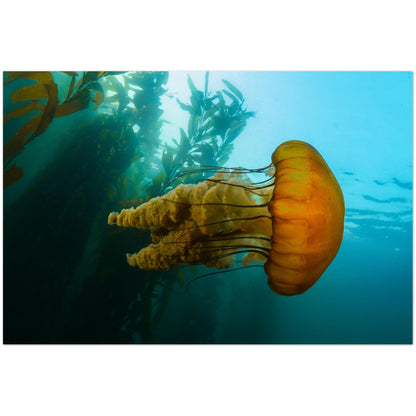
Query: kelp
(48, 112)
(12, 175)
(37, 125)
(98, 99)
(121, 93)
(214, 123)
(77, 102)
(77, 99)
(111, 303)
(22, 110)
(40, 76)
(29, 92)
(53, 220)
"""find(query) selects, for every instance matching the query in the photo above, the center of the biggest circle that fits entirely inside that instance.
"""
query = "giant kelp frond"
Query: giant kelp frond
(79, 101)
(87, 89)
(42, 77)
(88, 80)
(148, 90)
(22, 110)
(44, 88)
(13, 174)
(215, 122)
(29, 92)
(121, 93)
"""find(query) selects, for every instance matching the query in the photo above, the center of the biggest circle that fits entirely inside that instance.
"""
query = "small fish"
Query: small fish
(405, 185)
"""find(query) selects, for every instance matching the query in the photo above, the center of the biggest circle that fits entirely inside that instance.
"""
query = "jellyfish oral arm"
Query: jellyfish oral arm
(208, 223)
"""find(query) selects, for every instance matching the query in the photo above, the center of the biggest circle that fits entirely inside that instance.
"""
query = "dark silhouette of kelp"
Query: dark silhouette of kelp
(65, 275)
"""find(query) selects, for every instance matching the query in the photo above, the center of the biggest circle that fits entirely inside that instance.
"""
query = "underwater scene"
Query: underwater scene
(234, 207)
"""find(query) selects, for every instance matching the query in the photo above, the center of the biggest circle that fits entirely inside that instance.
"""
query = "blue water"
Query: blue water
(360, 122)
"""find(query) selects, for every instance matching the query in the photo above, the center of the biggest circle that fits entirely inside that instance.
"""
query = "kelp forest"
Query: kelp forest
(77, 146)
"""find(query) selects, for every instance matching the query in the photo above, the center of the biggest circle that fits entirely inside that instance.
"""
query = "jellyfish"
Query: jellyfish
(292, 222)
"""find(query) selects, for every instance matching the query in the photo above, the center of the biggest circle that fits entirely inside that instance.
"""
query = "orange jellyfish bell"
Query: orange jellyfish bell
(307, 210)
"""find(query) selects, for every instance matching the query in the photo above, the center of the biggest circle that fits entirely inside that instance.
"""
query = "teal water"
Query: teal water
(360, 122)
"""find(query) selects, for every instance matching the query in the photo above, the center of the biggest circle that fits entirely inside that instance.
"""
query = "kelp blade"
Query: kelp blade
(29, 92)
(12, 175)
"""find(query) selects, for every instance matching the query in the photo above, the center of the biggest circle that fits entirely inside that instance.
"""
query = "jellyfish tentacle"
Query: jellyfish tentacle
(217, 204)
(214, 169)
(243, 237)
(219, 272)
